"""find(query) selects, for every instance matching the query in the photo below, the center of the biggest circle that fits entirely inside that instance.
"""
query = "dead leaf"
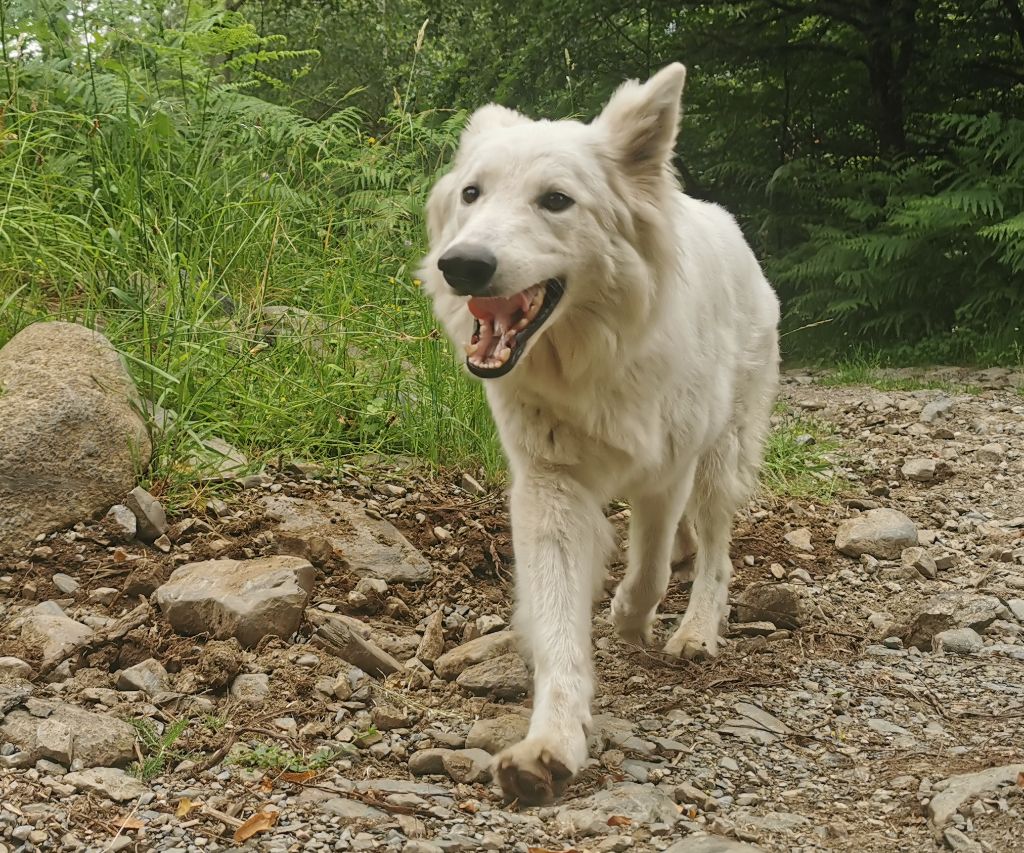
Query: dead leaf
(299, 778)
(185, 805)
(1020, 779)
(469, 806)
(259, 822)
(266, 785)
(619, 820)
(128, 822)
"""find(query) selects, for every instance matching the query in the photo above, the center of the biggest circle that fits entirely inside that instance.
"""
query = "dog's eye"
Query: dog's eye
(556, 201)
(470, 193)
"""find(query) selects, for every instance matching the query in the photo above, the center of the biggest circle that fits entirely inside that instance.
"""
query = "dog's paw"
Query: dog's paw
(693, 642)
(636, 629)
(534, 771)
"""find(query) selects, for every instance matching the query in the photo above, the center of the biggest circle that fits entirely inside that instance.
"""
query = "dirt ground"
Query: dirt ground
(861, 728)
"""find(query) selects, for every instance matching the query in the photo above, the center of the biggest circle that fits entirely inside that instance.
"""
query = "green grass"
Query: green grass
(869, 371)
(273, 757)
(159, 750)
(797, 467)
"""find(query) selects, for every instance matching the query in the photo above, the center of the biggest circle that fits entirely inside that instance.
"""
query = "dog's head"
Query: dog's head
(541, 222)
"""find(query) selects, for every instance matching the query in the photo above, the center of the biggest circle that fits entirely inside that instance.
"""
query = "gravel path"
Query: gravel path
(861, 703)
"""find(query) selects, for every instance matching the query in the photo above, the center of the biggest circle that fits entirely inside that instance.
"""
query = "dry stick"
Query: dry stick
(214, 758)
(130, 621)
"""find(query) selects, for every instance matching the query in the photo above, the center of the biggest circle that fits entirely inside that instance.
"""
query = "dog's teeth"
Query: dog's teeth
(504, 354)
(472, 348)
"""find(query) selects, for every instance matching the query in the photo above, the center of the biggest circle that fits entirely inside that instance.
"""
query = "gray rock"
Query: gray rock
(418, 845)
(990, 453)
(957, 641)
(65, 583)
(353, 810)
(123, 520)
(341, 636)
(11, 667)
(799, 539)
(251, 687)
(882, 533)
(923, 470)
(960, 843)
(1016, 606)
(431, 646)
(468, 765)
(425, 762)
(372, 547)
(67, 733)
(956, 790)
(918, 560)
(936, 410)
(503, 677)
(72, 438)
(642, 804)
(150, 518)
(470, 485)
(711, 844)
(948, 610)
(786, 605)
(107, 782)
(755, 725)
(497, 733)
(453, 662)
(246, 599)
(58, 636)
(149, 676)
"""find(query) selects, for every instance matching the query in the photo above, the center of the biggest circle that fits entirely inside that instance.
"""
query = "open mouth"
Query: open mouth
(504, 325)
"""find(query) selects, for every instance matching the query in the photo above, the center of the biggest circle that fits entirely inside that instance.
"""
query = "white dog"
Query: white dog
(628, 343)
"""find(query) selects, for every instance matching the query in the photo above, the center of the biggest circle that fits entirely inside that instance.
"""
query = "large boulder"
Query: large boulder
(71, 436)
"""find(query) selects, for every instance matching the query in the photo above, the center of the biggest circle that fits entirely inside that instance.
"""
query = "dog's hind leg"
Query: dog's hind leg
(654, 531)
(719, 490)
(561, 538)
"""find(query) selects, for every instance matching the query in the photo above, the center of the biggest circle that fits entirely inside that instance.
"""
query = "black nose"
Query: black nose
(468, 269)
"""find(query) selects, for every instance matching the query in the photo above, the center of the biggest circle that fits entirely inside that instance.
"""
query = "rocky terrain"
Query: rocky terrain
(319, 660)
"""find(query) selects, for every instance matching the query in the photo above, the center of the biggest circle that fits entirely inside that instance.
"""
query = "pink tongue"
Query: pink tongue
(488, 307)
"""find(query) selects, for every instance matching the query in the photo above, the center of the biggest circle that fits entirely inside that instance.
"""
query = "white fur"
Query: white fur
(653, 380)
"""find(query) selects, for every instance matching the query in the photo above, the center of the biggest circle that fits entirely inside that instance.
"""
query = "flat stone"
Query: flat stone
(711, 844)
(149, 514)
(754, 725)
(882, 533)
(643, 804)
(58, 635)
(799, 539)
(372, 547)
(925, 469)
(452, 663)
(107, 782)
(990, 453)
(245, 599)
(149, 676)
(428, 762)
(353, 810)
(67, 733)
(251, 687)
(503, 677)
(73, 437)
(217, 461)
(956, 790)
(786, 605)
(497, 733)
(1016, 606)
(947, 610)
(65, 583)
(468, 765)
(957, 641)
(123, 521)
(11, 667)
(340, 637)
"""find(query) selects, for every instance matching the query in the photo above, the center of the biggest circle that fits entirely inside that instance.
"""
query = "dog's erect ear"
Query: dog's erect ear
(491, 117)
(642, 119)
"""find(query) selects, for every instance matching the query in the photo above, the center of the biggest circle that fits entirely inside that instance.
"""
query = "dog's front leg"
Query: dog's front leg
(561, 540)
